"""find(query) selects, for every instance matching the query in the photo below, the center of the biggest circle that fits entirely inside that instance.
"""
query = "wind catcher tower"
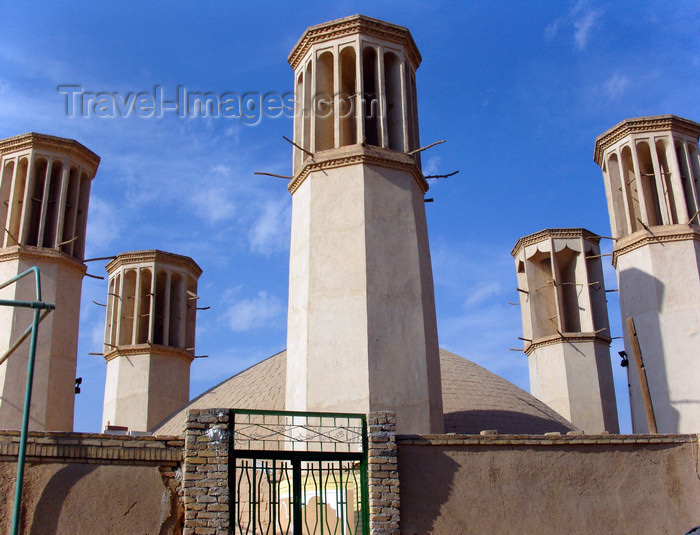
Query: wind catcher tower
(149, 337)
(651, 168)
(565, 326)
(44, 194)
(362, 334)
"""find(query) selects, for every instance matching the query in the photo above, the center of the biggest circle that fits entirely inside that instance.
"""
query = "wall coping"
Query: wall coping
(549, 439)
(54, 446)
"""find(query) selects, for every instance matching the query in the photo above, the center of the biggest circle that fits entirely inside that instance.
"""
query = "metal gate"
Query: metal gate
(298, 473)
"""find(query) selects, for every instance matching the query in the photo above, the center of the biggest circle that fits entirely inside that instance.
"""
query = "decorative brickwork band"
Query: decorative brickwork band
(384, 504)
(205, 472)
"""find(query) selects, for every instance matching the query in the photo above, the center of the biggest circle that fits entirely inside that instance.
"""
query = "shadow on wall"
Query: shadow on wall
(433, 466)
(505, 422)
(48, 508)
(641, 296)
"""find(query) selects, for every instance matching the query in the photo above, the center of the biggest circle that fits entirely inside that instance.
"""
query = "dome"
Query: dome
(474, 399)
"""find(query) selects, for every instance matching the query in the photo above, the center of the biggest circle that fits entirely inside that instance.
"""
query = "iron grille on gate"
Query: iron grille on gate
(298, 473)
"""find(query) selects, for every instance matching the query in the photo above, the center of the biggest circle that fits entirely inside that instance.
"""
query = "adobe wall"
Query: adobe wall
(536, 484)
(91, 483)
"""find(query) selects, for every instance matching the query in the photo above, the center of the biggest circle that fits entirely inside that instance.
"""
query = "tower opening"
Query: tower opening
(323, 107)
(5, 189)
(629, 180)
(689, 195)
(347, 102)
(36, 199)
(177, 310)
(569, 290)
(394, 101)
(370, 95)
(649, 184)
(81, 217)
(613, 172)
(542, 295)
(666, 180)
(307, 109)
(126, 332)
(162, 305)
(70, 212)
(694, 157)
(299, 119)
(144, 316)
(52, 205)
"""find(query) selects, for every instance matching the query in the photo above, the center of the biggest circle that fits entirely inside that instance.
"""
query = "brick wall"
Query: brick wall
(383, 472)
(51, 446)
(205, 472)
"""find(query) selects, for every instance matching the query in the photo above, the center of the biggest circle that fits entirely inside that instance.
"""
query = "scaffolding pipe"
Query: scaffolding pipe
(40, 309)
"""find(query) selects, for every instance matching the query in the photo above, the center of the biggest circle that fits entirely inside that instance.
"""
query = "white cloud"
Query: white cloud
(584, 25)
(482, 291)
(260, 311)
(213, 203)
(270, 232)
(431, 165)
(581, 18)
(615, 86)
(104, 225)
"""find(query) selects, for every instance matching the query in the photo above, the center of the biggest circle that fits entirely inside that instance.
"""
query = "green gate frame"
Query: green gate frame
(296, 458)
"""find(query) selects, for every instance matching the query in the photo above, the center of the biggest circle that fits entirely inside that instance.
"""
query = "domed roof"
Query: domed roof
(473, 399)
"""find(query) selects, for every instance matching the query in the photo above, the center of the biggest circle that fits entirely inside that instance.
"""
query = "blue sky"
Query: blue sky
(519, 93)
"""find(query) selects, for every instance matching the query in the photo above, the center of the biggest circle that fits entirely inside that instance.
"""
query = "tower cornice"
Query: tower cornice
(354, 155)
(154, 255)
(35, 141)
(657, 234)
(654, 123)
(555, 233)
(599, 338)
(40, 254)
(147, 350)
(351, 25)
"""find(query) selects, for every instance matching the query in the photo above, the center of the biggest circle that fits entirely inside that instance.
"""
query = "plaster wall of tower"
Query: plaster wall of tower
(149, 337)
(575, 379)
(53, 392)
(44, 196)
(565, 326)
(659, 284)
(361, 286)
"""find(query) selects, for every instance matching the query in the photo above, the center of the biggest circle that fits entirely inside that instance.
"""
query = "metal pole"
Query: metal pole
(25, 425)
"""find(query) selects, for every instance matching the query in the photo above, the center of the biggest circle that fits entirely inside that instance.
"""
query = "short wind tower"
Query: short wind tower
(565, 326)
(149, 337)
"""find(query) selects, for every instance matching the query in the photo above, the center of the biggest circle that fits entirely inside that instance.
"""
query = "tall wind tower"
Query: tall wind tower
(565, 326)
(651, 168)
(45, 193)
(362, 334)
(149, 337)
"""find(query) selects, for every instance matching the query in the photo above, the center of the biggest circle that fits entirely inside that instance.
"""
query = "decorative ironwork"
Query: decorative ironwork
(298, 431)
(298, 473)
